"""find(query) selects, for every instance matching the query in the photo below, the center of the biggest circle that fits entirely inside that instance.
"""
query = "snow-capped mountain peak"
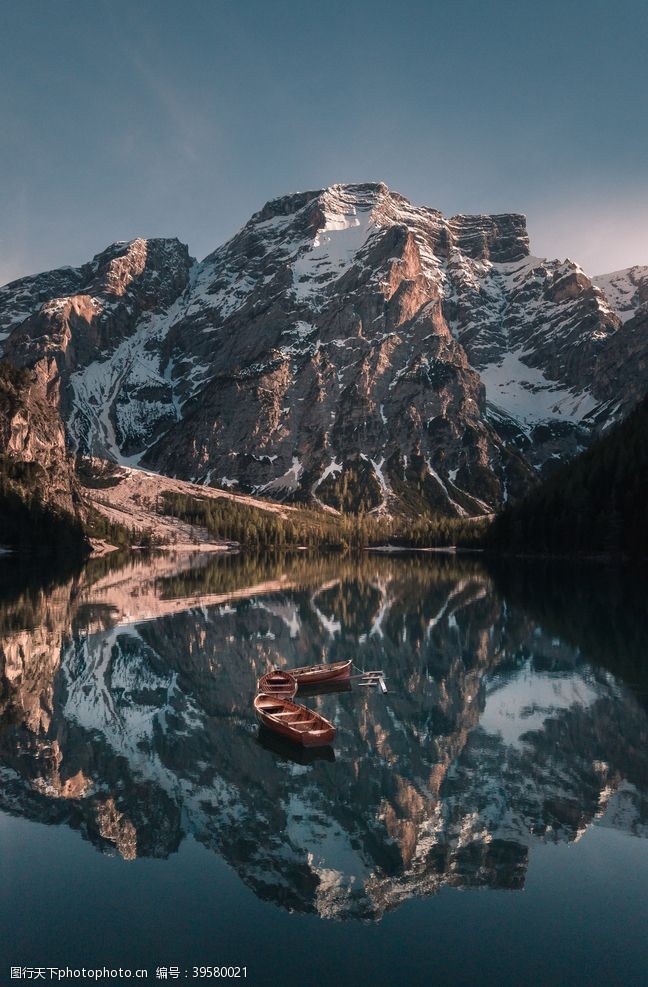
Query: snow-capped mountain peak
(343, 326)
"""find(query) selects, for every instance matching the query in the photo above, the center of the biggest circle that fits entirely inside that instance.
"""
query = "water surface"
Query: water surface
(483, 822)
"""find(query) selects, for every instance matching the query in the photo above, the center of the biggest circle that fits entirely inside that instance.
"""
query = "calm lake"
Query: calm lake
(483, 822)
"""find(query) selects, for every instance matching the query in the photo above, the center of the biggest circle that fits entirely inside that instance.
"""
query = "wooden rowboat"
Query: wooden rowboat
(335, 671)
(278, 683)
(298, 723)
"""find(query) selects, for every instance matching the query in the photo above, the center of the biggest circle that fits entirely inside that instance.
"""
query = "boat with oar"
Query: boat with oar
(278, 683)
(326, 673)
(288, 719)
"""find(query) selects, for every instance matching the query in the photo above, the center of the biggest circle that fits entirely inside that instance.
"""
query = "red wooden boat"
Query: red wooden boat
(327, 673)
(298, 723)
(278, 683)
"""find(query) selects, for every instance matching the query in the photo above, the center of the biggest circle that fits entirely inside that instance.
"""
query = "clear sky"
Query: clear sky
(123, 118)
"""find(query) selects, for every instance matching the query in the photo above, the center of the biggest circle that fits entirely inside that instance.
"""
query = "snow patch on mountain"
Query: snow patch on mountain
(288, 482)
(333, 249)
(526, 395)
(127, 393)
(624, 290)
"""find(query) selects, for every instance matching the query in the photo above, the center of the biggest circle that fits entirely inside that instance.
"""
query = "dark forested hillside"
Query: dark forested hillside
(596, 504)
(254, 528)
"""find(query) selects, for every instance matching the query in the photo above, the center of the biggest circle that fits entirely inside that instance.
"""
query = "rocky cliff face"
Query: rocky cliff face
(37, 482)
(345, 347)
(104, 338)
(625, 360)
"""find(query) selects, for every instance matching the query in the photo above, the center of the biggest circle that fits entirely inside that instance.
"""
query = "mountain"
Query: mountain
(595, 503)
(344, 348)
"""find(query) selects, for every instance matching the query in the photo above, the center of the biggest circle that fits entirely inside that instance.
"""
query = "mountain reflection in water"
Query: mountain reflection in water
(516, 714)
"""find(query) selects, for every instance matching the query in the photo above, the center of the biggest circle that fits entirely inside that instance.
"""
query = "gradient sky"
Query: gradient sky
(123, 118)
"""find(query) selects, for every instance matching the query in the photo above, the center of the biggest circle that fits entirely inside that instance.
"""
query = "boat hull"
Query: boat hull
(296, 723)
(278, 683)
(337, 671)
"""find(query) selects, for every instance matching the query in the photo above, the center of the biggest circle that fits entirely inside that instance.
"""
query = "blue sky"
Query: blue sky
(121, 118)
